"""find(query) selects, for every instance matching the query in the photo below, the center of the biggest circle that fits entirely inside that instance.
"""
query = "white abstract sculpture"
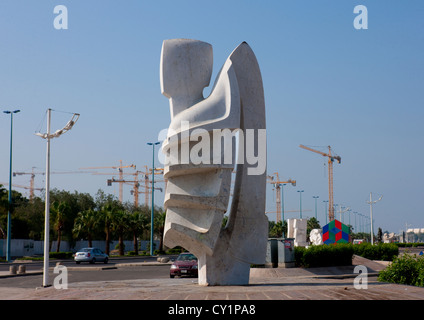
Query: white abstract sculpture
(297, 230)
(201, 156)
(315, 236)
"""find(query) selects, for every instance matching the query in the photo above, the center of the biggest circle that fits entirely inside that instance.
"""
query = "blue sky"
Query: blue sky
(326, 83)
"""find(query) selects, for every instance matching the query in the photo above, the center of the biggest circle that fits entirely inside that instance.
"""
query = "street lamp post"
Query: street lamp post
(315, 197)
(326, 214)
(371, 202)
(9, 220)
(349, 213)
(300, 207)
(153, 196)
(361, 222)
(48, 136)
(282, 201)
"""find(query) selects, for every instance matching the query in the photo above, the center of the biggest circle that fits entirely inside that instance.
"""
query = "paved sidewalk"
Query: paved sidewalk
(335, 283)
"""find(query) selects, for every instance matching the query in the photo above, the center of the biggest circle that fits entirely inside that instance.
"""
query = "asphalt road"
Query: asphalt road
(36, 265)
(91, 272)
(121, 273)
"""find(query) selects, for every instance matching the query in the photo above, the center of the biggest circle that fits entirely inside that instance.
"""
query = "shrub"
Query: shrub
(60, 255)
(298, 256)
(410, 244)
(324, 255)
(176, 250)
(382, 251)
(408, 269)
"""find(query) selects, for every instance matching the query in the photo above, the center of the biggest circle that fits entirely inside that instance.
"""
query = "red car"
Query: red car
(184, 265)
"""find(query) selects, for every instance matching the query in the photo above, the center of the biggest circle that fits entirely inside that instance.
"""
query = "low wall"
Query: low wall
(27, 247)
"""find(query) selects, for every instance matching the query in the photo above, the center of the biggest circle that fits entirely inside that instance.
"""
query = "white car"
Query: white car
(91, 255)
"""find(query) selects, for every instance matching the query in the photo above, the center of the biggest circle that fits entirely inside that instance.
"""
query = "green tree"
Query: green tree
(277, 230)
(77, 202)
(59, 212)
(86, 224)
(29, 220)
(380, 235)
(159, 221)
(137, 222)
(107, 211)
(312, 224)
(119, 225)
(17, 200)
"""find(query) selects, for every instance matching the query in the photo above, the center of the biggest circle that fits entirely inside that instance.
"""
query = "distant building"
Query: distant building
(414, 235)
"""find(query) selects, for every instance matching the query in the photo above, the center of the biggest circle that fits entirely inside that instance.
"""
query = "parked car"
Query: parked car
(91, 255)
(184, 265)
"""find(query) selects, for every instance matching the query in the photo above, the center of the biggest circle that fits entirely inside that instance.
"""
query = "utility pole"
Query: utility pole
(300, 202)
(371, 202)
(315, 197)
(153, 197)
(47, 207)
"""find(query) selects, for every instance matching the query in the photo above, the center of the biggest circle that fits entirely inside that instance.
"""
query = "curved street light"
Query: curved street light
(9, 220)
(49, 136)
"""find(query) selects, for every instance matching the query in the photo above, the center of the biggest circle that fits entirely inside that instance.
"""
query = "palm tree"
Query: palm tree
(159, 221)
(85, 224)
(277, 229)
(137, 222)
(107, 213)
(60, 210)
(119, 224)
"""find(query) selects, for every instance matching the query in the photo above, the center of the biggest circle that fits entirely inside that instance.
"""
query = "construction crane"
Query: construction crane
(136, 182)
(23, 187)
(33, 173)
(147, 182)
(121, 175)
(331, 159)
(136, 185)
(277, 184)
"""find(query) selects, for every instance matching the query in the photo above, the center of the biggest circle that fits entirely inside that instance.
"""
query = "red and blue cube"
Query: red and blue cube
(335, 232)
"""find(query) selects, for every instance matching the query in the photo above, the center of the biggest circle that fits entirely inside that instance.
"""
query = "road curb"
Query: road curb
(145, 264)
(28, 273)
(87, 268)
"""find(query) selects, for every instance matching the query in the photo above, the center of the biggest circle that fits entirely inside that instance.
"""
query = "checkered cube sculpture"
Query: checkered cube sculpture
(335, 232)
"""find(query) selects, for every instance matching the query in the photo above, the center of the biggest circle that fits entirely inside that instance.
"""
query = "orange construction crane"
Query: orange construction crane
(136, 183)
(147, 182)
(31, 189)
(277, 184)
(121, 175)
(331, 159)
(33, 173)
